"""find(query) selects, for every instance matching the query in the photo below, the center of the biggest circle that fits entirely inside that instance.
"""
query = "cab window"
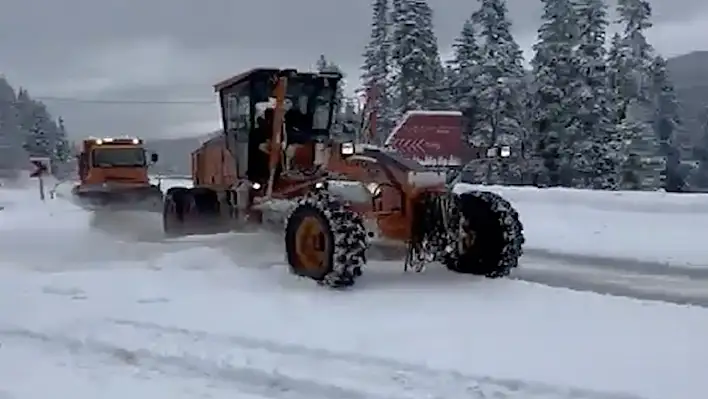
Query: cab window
(238, 111)
(323, 109)
(111, 157)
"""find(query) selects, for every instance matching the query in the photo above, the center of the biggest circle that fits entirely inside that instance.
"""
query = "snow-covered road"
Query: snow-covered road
(93, 312)
(193, 318)
(554, 256)
(621, 278)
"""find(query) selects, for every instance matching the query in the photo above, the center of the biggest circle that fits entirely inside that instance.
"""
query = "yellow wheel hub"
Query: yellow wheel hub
(311, 244)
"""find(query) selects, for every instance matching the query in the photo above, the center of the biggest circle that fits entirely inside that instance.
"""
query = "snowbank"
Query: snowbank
(625, 201)
(36, 232)
(647, 226)
(24, 210)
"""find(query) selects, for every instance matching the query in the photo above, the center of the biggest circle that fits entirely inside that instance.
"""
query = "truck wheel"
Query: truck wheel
(325, 241)
(490, 236)
(174, 209)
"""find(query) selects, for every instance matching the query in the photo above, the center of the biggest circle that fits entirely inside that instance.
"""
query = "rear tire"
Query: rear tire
(174, 209)
(338, 235)
(495, 232)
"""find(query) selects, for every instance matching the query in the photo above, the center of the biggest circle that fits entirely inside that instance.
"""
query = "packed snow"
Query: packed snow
(649, 226)
(87, 314)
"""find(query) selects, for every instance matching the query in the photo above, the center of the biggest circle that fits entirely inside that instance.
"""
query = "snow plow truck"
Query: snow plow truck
(276, 165)
(113, 175)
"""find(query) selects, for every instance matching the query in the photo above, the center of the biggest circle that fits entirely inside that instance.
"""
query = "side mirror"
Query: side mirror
(154, 157)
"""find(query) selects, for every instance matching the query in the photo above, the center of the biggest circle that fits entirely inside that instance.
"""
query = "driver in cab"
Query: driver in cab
(293, 129)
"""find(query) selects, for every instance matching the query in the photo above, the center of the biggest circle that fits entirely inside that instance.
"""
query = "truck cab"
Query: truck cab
(248, 102)
(114, 160)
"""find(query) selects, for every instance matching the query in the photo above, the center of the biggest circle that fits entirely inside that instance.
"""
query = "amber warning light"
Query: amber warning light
(110, 140)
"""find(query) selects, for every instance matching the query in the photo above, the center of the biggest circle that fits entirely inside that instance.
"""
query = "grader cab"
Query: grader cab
(285, 111)
(276, 164)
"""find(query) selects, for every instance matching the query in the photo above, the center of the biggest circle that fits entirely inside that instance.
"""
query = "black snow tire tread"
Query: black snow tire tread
(348, 234)
(498, 257)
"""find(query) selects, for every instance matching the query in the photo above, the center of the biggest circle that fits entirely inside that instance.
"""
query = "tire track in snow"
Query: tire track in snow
(603, 275)
(402, 379)
(279, 371)
(617, 264)
(673, 287)
(243, 379)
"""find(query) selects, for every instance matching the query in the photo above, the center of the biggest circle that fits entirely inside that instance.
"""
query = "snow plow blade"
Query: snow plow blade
(119, 197)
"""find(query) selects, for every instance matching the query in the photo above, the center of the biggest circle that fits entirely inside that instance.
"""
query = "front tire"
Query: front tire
(490, 238)
(325, 241)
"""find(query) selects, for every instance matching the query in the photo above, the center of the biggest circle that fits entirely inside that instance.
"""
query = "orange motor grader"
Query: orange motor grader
(276, 164)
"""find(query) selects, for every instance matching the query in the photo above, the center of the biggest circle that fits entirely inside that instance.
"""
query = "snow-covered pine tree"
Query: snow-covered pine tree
(665, 123)
(350, 118)
(555, 78)
(500, 86)
(440, 95)
(324, 65)
(447, 88)
(635, 19)
(465, 66)
(42, 133)
(12, 154)
(597, 146)
(396, 11)
(376, 68)
(62, 150)
(621, 84)
(416, 59)
(37, 124)
(645, 164)
(618, 76)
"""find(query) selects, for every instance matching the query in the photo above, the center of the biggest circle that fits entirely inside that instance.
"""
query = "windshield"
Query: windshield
(118, 157)
(307, 95)
(323, 108)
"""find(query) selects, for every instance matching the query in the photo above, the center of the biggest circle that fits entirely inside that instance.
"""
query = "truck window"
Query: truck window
(108, 157)
(238, 112)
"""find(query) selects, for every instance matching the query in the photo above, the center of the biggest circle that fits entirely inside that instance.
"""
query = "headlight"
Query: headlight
(256, 186)
(347, 148)
(136, 141)
(504, 152)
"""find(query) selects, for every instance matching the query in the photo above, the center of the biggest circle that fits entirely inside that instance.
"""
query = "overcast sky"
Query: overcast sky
(174, 50)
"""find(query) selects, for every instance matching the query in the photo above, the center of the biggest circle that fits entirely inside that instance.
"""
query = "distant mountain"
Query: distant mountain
(689, 73)
(175, 153)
